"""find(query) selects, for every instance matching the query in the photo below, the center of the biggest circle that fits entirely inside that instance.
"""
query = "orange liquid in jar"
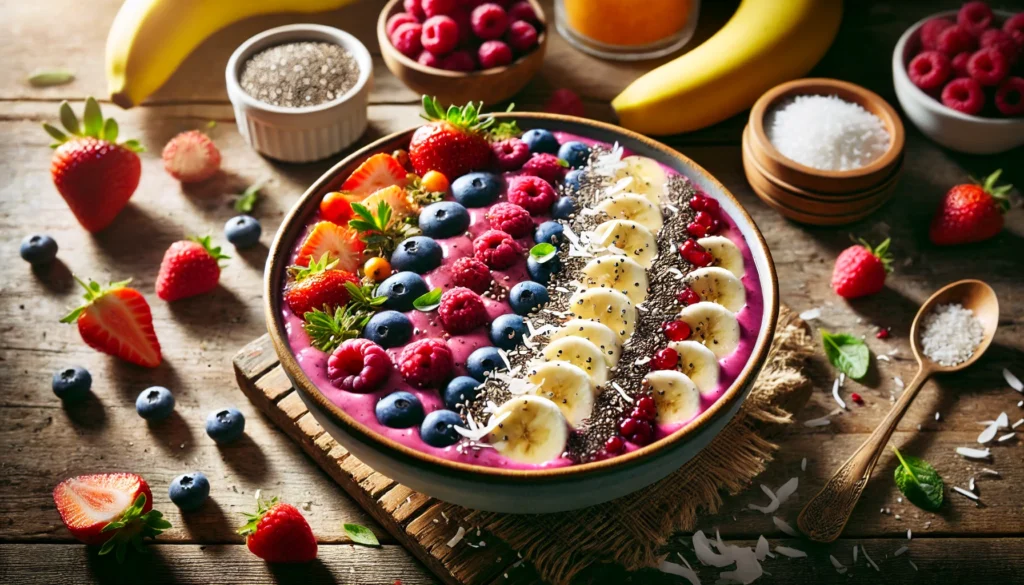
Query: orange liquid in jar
(627, 23)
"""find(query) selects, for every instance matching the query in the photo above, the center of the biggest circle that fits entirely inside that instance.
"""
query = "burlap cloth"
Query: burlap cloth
(630, 531)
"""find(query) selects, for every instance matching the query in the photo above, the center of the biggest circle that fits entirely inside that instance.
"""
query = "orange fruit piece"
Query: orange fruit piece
(626, 23)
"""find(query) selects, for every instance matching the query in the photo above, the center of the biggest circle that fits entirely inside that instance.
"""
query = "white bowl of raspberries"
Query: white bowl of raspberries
(463, 50)
(959, 77)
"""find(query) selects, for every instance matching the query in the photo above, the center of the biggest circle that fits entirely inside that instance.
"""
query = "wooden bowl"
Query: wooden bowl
(812, 218)
(454, 87)
(805, 177)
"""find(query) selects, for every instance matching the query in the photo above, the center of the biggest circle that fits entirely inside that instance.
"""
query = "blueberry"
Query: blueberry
(401, 290)
(399, 410)
(484, 360)
(155, 403)
(38, 249)
(541, 272)
(572, 180)
(527, 296)
(563, 207)
(419, 254)
(540, 141)
(507, 331)
(460, 390)
(575, 153)
(550, 232)
(189, 491)
(476, 189)
(388, 329)
(444, 219)
(438, 428)
(72, 384)
(225, 426)
(243, 231)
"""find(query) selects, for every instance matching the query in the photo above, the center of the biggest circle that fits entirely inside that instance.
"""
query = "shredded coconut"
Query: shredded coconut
(950, 334)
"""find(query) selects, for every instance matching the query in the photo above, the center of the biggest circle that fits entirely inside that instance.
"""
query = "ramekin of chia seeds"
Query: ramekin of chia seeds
(300, 92)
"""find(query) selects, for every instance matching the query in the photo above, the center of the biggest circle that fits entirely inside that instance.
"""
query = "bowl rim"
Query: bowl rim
(899, 70)
(277, 261)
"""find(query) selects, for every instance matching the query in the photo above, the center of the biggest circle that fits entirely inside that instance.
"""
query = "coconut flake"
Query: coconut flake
(622, 392)
(1017, 424)
(1005, 438)
(762, 548)
(901, 550)
(787, 489)
(992, 472)
(773, 504)
(702, 548)
(838, 566)
(989, 433)
(461, 532)
(883, 358)
(818, 422)
(910, 535)
(784, 526)
(855, 554)
(1003, 420)
(868, 559)
(803, 464)
(790, 552)
(835, 394)
(1013, 381)
(912, 565)
(810, 314)
(973, 453)
(679, 570)
(966, 493)
(748, 568)
(899, 382)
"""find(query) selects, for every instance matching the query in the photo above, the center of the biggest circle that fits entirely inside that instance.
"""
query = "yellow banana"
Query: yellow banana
(766, 42)
(150, 38)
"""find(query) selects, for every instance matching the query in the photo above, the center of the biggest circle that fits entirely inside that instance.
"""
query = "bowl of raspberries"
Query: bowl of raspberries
(960, 78)
(463, 50)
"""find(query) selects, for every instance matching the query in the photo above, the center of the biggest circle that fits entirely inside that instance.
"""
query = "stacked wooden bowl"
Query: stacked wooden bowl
(814, 196)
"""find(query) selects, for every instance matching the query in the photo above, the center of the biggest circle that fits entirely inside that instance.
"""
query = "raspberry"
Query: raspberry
(532, 193)
(511, 219)
(688, 296)
(1002, 42)
(358, 365)
(415, 8)
(407, 39)
(511, 153)
(1010, 97)
(489, 21)
(398, 20)
(675, 330)
(493, 54)
(693, 253)
(459, 61)
(440, 35)
(565, 101)
(522, 11)
(955, 39)
(521, 36)
(461, 310)
(959, 64)
(429, 59)
(665, 359)
(461, 17)
(988, 67)
(426, 363)
(929, 70)
(438, 7)
(975, 17)
(468, 272)
(964, 95)
(1014, 26)
(496, 249)
(930, 32)
(546, 166)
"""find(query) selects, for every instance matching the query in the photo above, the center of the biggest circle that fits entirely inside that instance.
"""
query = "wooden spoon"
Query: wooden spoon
(825, 516)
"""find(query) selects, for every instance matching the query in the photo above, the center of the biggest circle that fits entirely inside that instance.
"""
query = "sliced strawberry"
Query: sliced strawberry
(377, 172)
(191, 157)
(396, 197)
(116, 320)
(340, 243)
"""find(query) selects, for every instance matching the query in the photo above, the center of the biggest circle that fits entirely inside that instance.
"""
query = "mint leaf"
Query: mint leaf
(361, 534)
(247, 200)
(543, 252)
(847, 353)
(428, 301)
(919, 482)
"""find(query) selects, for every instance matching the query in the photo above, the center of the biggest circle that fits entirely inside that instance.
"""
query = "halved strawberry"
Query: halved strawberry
(341, 243)
(396, 197)
(116, 320)
(377, 172)
(191, 157)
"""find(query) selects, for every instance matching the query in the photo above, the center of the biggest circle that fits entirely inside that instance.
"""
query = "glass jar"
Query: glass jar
(627, 30)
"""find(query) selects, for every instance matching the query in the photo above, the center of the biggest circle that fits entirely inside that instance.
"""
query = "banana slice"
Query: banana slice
(718, 285)
(635, 207)
(635, 240)
(675, 394)
(581, 353)
(608, 307)
(649, 178)
(600, 335)
(698, 363)
(567, 386)
(726, 254)
(533, 432)
(619, 273)
(713, 326)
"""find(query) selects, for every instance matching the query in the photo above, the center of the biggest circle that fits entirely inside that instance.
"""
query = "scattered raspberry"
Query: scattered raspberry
(440, 35)
(959, 64)
(522, 10)
(426, 363)
(438, 7)
(461, 310)
(856, 398)
(489, 21)
(975, 17)
(929, 70)
(511, 219)
(468, 272)
(546, 166)
(883, 333)
(459, 61)
(407, 39)
(675, 330)
(521, 36)
(493, 54)
(988, 67)
(687, 297)
(665, 359)
(1015, 27)
(358, 365)
(511, 153)
(695, 254)
(429, 59)
(964, 95)
(532, 193)
(398, 20)
(497, 249)
(956, 39)
(191, 157)
(930, 32)
(565, 101)
(1002, 42)
(414, 8)
(1010, 97)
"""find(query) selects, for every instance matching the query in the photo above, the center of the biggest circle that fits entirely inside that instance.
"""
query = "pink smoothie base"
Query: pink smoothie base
(361, 406)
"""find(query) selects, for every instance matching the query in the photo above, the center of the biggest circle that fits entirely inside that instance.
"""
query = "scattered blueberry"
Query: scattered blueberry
(72, 384)
(388, 329)
(507, 331)
(225, 426)
(575, 153)
(563, 207)
(399, 410)
(527, 296)
(541, 272)
(572, 180)
(484, 360)
(155, 403)
(444, 219)
(189, 491)
(38, 249)
(540, 141)
(243, 231)
(476, 189)
(419, 254)
(550, 232)
(460, 390)
(438, 428)
(402, 289)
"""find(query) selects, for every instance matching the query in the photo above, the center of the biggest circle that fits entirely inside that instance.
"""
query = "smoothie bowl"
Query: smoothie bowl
(520, 312)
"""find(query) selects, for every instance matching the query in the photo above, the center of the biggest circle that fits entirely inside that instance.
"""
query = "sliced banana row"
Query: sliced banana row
(725, 253)
(619, 273)
(713, 326)
(533, 430)
(675, 395)
(648, 177)
(718, 285)
(699, 363)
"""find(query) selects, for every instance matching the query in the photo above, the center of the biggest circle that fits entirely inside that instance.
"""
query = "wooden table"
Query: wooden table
(43, 442)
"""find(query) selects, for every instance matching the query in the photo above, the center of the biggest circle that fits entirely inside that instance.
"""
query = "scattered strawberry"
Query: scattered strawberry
(453, 142)
(407, 38)
(959, 64)
(116, 320)
(988, 67)
(856, 398)
(461, 310)
(964, 95)
(511, 219)
(665, 358)
(532, 193)
(189, 268)
(440, 35)
(860, 270)
(675, 330)
(426, 363)
(1010, 97)
(493, 54)
(277, 533)
(511, 154)
(318, 286)
(956, 39)
(975, 17)
(191, 157)
(882, 333)
(546, 166)
(471, 273)
(970, 212)
(521, 36)
(376, 173)
(929, 70)
(341, 242)
(497, 249)
(397, 20)
(489, 21)
(565, 101)
(460, 60)
(930, 32)
(358, 365)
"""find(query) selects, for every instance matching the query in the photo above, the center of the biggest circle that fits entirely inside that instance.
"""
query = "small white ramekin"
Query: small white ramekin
(301, 134)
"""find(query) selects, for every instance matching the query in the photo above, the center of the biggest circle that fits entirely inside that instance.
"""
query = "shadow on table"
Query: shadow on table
(55, 277)
(88, 413)
(210, 523)
(219, 307)
(245, 457)
(302, 574)
(172, 434)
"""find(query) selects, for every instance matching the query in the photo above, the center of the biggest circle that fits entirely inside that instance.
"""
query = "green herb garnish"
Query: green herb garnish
(362, 297)
(50, 77)
(300, 273)
(247, 200)
(543, 252)
(361, 534)
(418, 194)
(428, 301)
(847, 353)
(919, 482)
(505, 130)
(380, 231)
(92, 125)
(328, 330)
(131, 528)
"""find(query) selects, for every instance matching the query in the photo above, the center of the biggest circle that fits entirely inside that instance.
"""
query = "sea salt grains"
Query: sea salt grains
(950, 334)
(827, 133)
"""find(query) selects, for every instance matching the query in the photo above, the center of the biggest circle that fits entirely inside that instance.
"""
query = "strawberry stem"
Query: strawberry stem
(207, 243)
(1000, 193)
(881, 251)
(131, 527)
(92, 125)
(93, 291)
(466, 117)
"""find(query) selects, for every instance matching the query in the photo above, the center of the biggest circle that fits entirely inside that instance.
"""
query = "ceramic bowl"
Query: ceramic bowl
(946, 126)
(490, 86)
(523, 491)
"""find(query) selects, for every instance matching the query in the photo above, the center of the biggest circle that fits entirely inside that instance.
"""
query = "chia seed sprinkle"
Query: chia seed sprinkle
(299, 75)
(950, 334)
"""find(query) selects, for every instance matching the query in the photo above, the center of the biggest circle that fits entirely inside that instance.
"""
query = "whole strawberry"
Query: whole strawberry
(116, 320)
(970, 212)
(452, 142)
(190, 267)
(860, 270)
(318, 286)
(94, 174)
(277, 533)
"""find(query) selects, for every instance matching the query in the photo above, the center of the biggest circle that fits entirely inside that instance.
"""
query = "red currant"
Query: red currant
(711, 205)
(665, 359)
(699, 202)
(614, 445)
(688, 296)
(694, 253)
(696, 230)
(883, 333)
(646, 408)
(675, 330)
(643, 434)
(856, 398)
(627, 427)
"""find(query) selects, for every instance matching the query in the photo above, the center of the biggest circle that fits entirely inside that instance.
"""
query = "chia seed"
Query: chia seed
(299, 75)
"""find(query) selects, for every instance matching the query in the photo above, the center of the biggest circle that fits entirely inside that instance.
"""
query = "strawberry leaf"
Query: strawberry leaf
(247, 200)
(68, 119)
(92, 118)
(57, 135)
(110, 130)
(361, 534)
(207, 243)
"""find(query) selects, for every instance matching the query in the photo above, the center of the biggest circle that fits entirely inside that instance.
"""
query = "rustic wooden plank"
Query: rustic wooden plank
(256, 358)
(274, 385)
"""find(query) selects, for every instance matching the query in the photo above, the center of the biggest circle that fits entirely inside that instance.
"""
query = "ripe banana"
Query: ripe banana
(718, 285)
(714, 326)
(581, 353)
(533, 432)
(619, 273)
(648, 178)
(766, 42)
(725, 253)
(599, 334)
(633, 207)
(675, 394)
(567, 386)
(698, 363)
(149, 39)
(630, 238)
(607, 307)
